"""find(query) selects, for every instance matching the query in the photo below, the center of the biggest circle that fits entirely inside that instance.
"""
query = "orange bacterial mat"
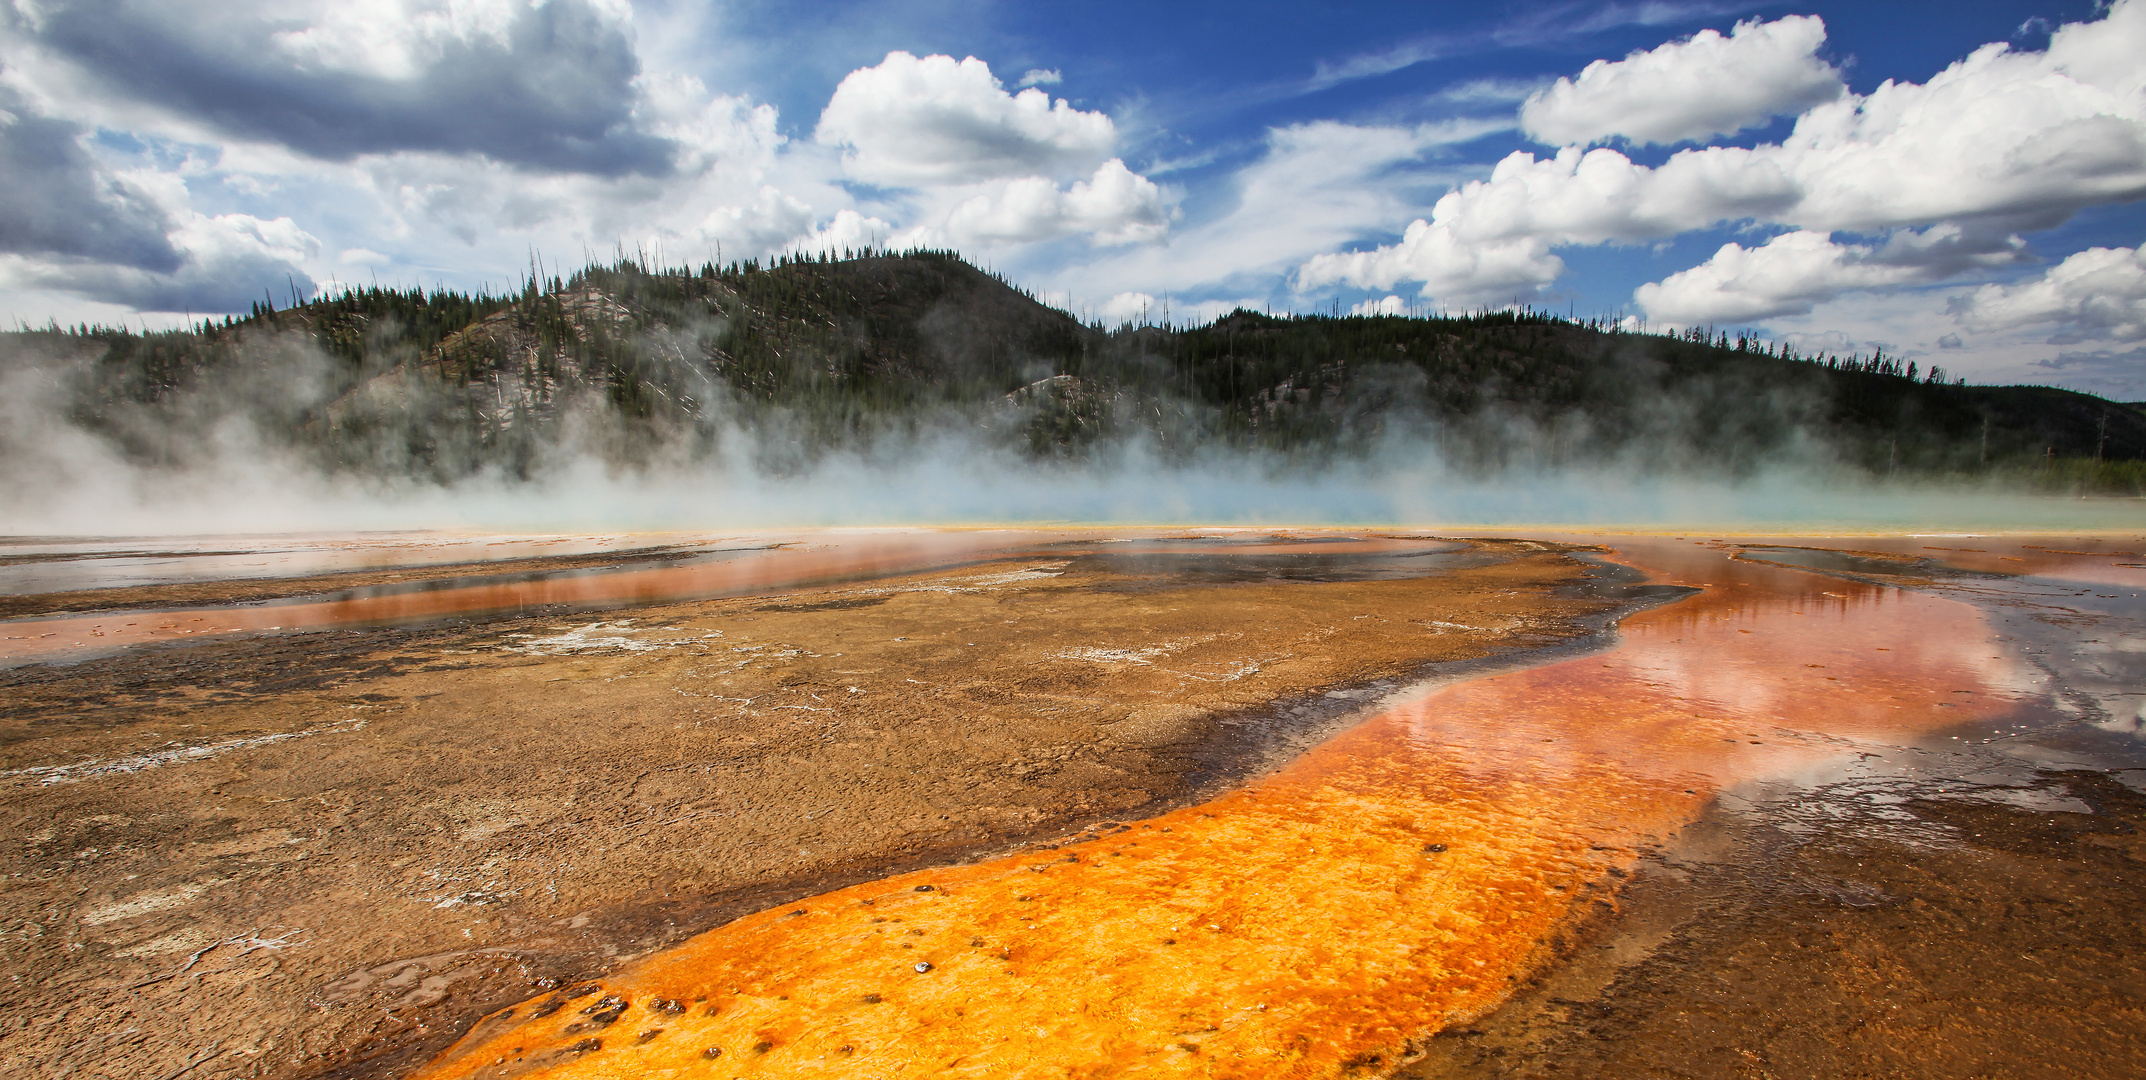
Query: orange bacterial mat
(1398, 879)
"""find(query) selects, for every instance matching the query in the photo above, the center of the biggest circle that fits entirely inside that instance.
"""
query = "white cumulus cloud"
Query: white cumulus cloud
(1128, 307)
(1114, 206)
(2025, 137)
(1315, 186)
(912, 121)
(1997, 143)
(1790, 273)
(2031, 136)
(769, 221)
(1600, 195)
(227, 262)
(552, 86)
(1450, 268)
(2099, 293)
(1703, 86)
(1787, 274)
(1385, 305)
(849, 231)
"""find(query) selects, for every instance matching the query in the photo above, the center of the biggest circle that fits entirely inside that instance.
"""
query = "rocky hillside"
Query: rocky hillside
(788, 361)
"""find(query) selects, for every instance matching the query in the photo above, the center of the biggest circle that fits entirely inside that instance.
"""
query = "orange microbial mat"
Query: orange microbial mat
(746, 566)
(1400, 878)
(732, 566)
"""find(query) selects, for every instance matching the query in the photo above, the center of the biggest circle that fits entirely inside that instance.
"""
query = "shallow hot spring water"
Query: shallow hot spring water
(691, 568)
(1400, 878)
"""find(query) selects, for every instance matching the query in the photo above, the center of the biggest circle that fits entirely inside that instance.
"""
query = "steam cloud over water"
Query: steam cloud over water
(221, 456)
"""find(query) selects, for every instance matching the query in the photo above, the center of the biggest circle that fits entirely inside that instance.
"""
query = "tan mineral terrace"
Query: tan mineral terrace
(1324, 920)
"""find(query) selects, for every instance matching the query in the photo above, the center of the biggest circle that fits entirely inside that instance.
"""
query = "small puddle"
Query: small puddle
(1323, 921)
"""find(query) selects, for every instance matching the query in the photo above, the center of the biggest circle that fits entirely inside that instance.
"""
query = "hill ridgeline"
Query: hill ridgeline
(785, 363)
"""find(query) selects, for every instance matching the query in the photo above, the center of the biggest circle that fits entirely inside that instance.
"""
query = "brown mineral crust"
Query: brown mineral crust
(1984, 940)
(326, 854)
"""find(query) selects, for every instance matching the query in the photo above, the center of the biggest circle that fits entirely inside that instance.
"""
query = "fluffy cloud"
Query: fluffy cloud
(848, 231)
(914, 121)
(1450, 268)
(61, 202)
(1385, 305)
(1704, 86)
(1114, 206)
(988, 163)
(71, 224)
(728, 150)
(770, 221)
(2026, 137)
(1790, 273)
(2119, 376)
(1999, 142)
(708, 131)
(543, 84)
(448, 140)
(1600, 195)
(1315, 186)
(226, 262)
(1130, 307)
(463, 134)
(1489, 240)
(2099, 293)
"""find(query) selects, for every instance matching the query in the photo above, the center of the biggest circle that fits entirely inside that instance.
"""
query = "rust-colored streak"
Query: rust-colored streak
(1398, 879)
(2095, 560)
(788, 561)
(826, 557)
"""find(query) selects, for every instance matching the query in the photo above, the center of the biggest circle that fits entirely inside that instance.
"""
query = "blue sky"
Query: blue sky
(1960, 183)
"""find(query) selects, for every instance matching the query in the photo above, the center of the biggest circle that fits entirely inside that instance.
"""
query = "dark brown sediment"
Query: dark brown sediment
(1969, 937)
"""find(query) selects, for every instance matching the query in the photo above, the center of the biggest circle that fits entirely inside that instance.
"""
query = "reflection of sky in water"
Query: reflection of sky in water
(1398, 878)
(2086, 639)
(65, 565)
(1410, 868)
(739, 566)
(2072, 611)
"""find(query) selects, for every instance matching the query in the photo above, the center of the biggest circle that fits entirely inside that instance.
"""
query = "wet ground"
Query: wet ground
(94, 571)
(325, 853)
(1969, 903)
(1631, 861)
(1856, 930)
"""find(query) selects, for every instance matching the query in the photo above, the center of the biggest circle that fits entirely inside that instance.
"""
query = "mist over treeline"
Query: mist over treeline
(883, 361)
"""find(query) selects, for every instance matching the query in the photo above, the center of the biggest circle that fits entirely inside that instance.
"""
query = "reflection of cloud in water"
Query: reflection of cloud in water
(1398, 879)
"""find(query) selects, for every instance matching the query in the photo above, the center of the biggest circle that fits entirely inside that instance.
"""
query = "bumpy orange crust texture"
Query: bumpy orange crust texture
(1398, 879)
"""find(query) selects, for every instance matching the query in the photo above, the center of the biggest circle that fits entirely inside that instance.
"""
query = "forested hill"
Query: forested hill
(788, 361)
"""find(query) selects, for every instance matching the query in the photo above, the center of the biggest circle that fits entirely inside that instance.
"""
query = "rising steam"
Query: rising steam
(286, 437)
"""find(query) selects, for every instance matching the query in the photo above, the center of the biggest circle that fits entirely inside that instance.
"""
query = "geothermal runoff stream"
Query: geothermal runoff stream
(1453, 841)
